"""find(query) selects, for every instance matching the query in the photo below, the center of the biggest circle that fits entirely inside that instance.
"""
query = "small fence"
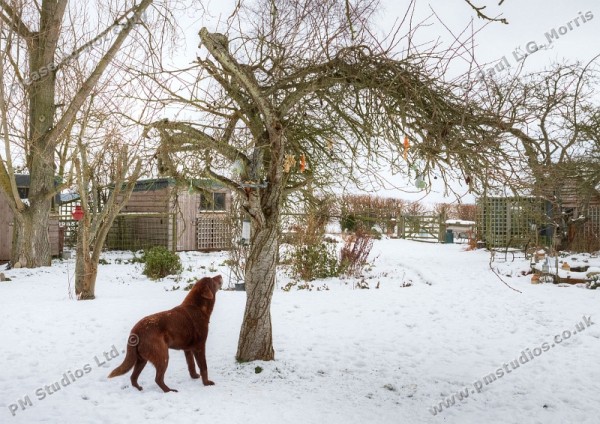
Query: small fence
(427, 228)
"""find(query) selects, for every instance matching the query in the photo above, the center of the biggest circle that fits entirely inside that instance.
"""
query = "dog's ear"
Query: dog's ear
(206, 293)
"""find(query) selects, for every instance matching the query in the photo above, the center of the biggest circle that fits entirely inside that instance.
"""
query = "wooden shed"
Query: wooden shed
(579, 213)
(161, 213)
(7, 217)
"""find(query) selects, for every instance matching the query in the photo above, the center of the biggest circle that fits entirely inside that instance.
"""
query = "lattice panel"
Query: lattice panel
(592, 227)
(507, 222)
(213, 232)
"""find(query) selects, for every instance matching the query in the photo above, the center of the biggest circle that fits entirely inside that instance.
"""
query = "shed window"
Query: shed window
(212, 202)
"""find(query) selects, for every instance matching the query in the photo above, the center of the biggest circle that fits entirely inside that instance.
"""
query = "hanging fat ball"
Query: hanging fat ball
(302, 163)
(288, 162)
(406, 146)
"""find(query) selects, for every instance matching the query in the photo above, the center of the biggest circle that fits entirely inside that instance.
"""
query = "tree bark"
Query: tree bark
(86, 269)
(31, 245)
(85, 282)
(256, 338)
(263, 206)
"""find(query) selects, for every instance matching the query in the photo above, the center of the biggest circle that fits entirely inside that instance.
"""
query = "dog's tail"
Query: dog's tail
(130, 357)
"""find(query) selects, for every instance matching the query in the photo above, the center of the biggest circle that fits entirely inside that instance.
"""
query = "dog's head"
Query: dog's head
(204, 291)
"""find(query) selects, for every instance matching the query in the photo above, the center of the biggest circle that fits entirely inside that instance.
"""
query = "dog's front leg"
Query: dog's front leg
(201, 358)
(189, 358)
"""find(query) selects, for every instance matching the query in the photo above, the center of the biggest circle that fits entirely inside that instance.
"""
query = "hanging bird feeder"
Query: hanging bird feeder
(420, 182)
(77, 214)
(245, 239)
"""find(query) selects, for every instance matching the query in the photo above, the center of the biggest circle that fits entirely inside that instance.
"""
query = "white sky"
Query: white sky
(529, 22)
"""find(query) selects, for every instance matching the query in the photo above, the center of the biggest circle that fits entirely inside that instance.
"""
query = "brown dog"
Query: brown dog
(184, 327)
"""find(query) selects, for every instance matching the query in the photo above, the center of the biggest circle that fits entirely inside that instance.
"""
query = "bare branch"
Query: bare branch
(14, 21)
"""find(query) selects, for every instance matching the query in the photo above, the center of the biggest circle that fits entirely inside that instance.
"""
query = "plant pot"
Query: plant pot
(240, 287)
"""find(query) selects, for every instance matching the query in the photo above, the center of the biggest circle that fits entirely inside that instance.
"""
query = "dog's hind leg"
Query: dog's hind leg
(160, 362)
(137, 369)
(189, 358)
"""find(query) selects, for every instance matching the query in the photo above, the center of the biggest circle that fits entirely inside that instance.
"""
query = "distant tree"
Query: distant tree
(106, 170)
(551, 118)
(465, 212)
(443, 209)
(415, 208)
(42, 43)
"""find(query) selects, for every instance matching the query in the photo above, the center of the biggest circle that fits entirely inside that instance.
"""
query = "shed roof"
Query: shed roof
(161, 183)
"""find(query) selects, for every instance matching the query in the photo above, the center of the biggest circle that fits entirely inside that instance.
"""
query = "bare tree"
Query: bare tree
(465, 212)
(551, 118)
(36, 110)
(106, 173)
(303, 91)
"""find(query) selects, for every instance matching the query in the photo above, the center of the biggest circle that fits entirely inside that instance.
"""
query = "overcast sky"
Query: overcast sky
(549, 31)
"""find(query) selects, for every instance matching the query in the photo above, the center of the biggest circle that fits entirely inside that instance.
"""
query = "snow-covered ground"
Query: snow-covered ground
(439, 324)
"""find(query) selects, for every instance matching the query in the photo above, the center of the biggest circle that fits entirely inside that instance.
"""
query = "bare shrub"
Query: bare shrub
(465, 212)
(365, 211)
(311, 255)
(355, 252)
(415, 209)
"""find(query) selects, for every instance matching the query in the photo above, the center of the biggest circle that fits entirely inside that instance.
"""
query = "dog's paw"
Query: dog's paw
(208, 383)
(194, 376)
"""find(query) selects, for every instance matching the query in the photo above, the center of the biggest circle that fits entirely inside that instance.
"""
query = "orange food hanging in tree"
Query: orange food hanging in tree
(302, 163)
(406, 146)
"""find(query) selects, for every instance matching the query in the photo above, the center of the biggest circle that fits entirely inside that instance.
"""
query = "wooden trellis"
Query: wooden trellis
(509, 221)
(213, 232)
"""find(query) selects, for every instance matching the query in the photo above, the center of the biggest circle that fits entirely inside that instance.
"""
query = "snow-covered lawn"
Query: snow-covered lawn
(383, 355)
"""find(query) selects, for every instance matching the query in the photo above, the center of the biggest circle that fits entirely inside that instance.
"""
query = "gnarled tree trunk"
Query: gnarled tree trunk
(263, 206)
(256, 338)
(31, 245)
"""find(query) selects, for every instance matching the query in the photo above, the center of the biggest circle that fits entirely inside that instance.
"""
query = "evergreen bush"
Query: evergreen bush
(160, 262)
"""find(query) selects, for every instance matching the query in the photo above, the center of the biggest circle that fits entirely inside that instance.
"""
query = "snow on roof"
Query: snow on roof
(459, 222)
